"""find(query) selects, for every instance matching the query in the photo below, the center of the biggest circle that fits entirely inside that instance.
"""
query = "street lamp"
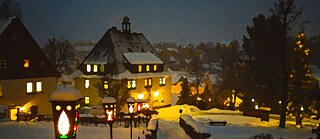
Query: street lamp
(131, 102)
(64, 102)
(109, 103)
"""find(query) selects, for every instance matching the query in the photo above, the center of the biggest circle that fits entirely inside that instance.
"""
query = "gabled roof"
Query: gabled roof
(142, 58)
(4, 22)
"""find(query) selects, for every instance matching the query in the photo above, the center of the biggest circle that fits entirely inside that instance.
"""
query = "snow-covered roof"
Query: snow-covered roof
(173, 49)
(78, 73)
(109, 100)
(4, 23)
(131, 99)
(142, 58)
(66, 93)
(127, 74)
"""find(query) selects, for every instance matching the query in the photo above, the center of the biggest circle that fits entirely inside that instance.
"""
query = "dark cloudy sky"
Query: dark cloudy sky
(180, 21)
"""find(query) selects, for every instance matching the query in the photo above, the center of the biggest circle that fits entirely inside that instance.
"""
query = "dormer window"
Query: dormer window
(147, 68)
(162, 81)
(86, 83)
(38, 86)
(29, 87)
(88, 68)
(102, 68)
(155, 67)
(95, 68)
(139, 68)
(105, 85)
(26, 63)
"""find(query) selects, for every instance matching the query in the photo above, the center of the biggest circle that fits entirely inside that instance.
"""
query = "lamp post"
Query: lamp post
(131, 102)
(64, 102)
(109, 103)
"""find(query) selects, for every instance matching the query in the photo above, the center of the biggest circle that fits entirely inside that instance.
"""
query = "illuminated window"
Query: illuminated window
(139, 68)
(1, 91)
(162, 81)
(29, 87)
(26, 63)
(95, 68)
(102, 68)
(131, 84)
(38, 86)
(86, 100)
(86, 83)
(105, 85)
(88, 68)
(147, 68)
(155, 67)
(148, 82)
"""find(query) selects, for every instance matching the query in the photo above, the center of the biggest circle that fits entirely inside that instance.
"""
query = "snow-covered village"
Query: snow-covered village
(161, 69)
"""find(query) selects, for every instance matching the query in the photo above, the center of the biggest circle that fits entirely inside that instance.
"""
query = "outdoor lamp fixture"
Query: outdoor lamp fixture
(156, 94)
(109, 104)
(131, 102)
(64, 102)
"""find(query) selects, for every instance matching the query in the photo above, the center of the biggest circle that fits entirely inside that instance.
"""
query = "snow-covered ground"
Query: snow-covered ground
(238, 127)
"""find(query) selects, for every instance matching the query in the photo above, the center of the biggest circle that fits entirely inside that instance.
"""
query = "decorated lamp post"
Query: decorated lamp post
(65, 101)
(131, 102)
(109, 104)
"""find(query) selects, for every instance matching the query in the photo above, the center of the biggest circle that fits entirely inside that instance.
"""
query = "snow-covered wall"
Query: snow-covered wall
(193, 128)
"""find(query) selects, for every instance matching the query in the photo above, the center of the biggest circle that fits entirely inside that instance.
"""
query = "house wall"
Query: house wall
(15, 94)
(164, 91)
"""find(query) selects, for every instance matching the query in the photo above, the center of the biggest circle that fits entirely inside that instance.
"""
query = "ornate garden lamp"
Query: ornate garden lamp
(65, 102)
(131, 102)
(109, 104)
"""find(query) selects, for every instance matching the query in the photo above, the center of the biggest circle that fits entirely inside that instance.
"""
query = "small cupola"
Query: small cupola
(126, 24)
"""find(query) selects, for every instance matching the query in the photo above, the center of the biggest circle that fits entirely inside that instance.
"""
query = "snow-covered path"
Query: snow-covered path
(171, 130)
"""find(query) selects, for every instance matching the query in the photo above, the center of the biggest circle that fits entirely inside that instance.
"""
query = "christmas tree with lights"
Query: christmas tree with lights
(300, 79)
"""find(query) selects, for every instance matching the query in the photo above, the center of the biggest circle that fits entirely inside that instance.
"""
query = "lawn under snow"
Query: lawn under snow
(238, 127)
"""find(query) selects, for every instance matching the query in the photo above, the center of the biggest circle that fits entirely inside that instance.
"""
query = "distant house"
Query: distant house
(126, 56)
(26, 77)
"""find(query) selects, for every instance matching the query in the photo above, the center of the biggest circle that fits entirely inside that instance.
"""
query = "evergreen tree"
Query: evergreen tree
(300, 79)
(185, 93)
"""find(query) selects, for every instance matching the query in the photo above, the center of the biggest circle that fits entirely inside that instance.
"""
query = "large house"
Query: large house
(124, 56)
(27, 78)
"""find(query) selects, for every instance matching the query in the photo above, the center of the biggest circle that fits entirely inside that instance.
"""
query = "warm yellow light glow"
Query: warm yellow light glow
(198, 98)
(133, 84)
(140, 96)
(298, 42)
(86, 83)
(154, 67)
(145, 105)
(86, 100)
(209, 99)
(26, 63)
(105, 85)
(300, 46)
(69, 108)
(58, 107)
(130, 109)
(147, 68)
(38, 86)
(139, 68)
(252, 100)
(22, 108)
(88, 68)
(279, 101)
(102, 68)
(109, 113)
(302, 109)
(29, 87)
(156, 94)
(78, 106)
(145, 82)
(129, 84)
(256, 106)
(149, 82)
(63, 124)
(95, 68)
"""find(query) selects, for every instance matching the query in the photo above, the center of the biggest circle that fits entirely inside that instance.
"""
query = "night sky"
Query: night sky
(180, 21)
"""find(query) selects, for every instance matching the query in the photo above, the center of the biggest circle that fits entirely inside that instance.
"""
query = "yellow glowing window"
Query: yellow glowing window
(131, 84)
(147, 68)
(139, 68)
(38, 86)
(29, 87)
(95, 68)
(86, 100)
(1, 91)
(102, 68)
(155, 67)
(162, 81)
(86, 83)
(88, 68)
(148, 82)
(26, 63)
(105, 85)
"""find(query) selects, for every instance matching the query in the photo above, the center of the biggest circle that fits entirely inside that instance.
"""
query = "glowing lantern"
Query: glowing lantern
(65, 102)
(109, 104)
(131, 102)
